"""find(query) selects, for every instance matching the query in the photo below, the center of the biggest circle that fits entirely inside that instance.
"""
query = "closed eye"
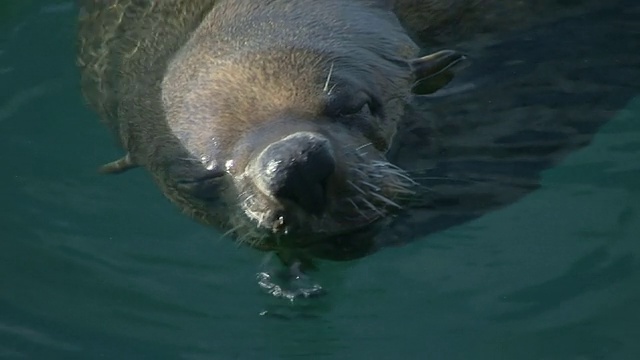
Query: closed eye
(207, 189)
(202, 184)
(342, 104)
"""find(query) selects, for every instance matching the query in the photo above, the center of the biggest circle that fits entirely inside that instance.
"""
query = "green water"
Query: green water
(94, 266)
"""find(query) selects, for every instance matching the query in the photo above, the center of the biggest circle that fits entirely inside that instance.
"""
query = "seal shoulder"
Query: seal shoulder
(122, 42)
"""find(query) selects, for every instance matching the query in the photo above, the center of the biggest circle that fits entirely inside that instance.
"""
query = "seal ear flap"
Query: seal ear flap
(121, 165)
(432, 72)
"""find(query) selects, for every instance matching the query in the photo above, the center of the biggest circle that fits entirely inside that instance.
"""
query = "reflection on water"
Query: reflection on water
(94, 266)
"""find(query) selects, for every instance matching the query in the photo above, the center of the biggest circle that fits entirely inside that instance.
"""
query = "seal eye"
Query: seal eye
(205, 185)
(352, 104)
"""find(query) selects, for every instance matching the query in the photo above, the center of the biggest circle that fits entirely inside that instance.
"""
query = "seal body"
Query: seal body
(434, 22)
(292, 125)
(270, 120)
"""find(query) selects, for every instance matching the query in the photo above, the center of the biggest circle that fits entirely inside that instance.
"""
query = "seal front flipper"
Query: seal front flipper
(432, 72)
(121, 165)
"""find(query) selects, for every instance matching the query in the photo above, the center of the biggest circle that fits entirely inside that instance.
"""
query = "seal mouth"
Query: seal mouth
(346, 224)
(353, 235)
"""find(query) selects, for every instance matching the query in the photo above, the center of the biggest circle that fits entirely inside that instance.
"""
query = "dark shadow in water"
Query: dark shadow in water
(593, 272)
(531, 99)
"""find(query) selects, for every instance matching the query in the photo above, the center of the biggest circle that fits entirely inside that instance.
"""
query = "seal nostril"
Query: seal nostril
(298, 168)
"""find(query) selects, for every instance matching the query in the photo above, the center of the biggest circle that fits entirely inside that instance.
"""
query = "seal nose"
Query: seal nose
(297, 168)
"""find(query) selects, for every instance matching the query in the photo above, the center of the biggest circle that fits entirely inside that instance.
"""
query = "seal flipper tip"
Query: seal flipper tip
(121, 165)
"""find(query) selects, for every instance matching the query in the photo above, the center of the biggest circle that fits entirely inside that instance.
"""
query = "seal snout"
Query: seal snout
(297, 169)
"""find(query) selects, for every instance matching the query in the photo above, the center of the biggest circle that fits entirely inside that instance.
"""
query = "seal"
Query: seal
(269, 120)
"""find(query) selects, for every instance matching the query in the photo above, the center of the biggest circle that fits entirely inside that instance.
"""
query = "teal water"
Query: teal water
(94, 266)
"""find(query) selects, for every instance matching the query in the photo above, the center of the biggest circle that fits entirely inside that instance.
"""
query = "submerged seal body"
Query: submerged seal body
(270, 120)
(291, 125)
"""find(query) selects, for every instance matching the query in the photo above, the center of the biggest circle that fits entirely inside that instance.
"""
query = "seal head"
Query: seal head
(272, 119)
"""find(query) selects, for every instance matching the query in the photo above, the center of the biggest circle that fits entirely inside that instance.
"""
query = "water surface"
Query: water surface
(95, 266)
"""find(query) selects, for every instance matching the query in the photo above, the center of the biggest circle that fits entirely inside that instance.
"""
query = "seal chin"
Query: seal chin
(284, 221)
(346, 245)
(344, 237)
